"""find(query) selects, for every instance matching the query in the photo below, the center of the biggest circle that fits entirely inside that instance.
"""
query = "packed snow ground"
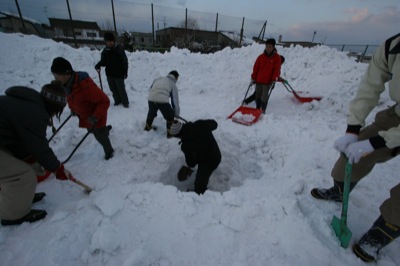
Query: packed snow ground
(258, 209)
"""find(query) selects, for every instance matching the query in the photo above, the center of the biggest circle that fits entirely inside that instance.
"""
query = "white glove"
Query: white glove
(344, 141)
(357, 150)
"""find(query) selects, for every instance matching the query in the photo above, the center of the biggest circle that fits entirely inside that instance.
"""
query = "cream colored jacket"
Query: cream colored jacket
(379, 71)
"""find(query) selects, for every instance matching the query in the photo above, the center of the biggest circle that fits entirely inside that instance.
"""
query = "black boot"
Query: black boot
(264, 106)
(38, 197)
(32, 216)
(334, 193)
(258, 103)
(169, 124)
(149, 122)
(380, 234)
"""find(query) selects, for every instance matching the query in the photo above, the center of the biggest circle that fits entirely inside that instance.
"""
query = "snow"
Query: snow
(258, 209)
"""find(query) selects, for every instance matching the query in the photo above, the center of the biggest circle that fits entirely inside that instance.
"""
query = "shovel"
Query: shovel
(301, 99)
(340, 225)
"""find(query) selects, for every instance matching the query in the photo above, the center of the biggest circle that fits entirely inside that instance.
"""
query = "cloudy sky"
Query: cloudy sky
(335, 21)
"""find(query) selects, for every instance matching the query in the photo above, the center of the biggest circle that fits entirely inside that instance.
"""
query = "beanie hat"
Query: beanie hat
(175, 128)
(54, 93)
(174, 73)
(271, 41)
(61, 66)
(109, 36)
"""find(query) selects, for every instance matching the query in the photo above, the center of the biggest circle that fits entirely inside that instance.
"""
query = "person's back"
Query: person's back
(161, 90)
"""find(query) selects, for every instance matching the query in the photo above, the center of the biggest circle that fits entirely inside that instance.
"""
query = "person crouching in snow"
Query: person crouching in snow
(200, 148)
(85, 100)
(160, 92)
(24, 117)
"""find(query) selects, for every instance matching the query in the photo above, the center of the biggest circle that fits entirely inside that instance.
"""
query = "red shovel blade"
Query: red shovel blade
(307, 99)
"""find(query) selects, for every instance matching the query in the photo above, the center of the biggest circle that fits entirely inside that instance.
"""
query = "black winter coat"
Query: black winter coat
(115, 61)
(198, 143)
(23, 124)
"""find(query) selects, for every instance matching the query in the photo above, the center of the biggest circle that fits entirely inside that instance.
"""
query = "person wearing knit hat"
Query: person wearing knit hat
(266, 71)
(160, 92)
(24, 117)
(89, 102)
(114, 59)
(200, 148)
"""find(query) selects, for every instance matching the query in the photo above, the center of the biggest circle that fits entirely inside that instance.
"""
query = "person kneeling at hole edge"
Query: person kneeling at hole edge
(85, 100)
(200, 148)
(24, 117)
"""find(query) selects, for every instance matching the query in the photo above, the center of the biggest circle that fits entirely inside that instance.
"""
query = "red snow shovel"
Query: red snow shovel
(340, 225)
(245, 115)
(301, 99)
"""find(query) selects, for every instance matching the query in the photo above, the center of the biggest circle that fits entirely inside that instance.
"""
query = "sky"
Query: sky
(257, 210)
(334, 21)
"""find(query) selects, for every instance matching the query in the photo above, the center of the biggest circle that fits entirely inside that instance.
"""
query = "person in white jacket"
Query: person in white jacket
(160, 92)
(365, 146)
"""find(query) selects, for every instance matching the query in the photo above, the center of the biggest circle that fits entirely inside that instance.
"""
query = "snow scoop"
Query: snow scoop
(340, 225)
(301, 99)
(101, 83)
(245, 115)
(86, 188)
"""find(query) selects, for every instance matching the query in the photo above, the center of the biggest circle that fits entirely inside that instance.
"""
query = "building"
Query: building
(77, 33)
(10, 23)
(142, 40)
(194, 40)
(294, 43)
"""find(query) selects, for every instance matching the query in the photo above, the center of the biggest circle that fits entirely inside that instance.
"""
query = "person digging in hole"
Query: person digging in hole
(25, 115)
(160, 91)
(365, 146)
(86, 101)
(200, 148)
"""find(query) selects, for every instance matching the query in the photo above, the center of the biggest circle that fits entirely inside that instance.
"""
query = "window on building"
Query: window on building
(92, 34)
(142, 39)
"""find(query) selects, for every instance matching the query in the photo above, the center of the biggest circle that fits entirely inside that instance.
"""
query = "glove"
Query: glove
(344, 141)
(281, 80)
(97, 67)
(73, 113)
(92, 120)
(252, 82)
(62, 173)
(184, 173)
(358, 149)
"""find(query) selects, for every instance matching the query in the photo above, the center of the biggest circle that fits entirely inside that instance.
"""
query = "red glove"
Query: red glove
(62, 173)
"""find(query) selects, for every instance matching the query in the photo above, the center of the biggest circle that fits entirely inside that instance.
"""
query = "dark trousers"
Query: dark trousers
(101, 135)
(117, 87)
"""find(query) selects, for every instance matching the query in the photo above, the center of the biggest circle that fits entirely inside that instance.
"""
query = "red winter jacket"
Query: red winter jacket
(267, 68)
(86, 99)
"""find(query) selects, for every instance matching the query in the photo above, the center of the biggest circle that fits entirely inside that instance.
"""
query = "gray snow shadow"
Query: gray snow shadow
(236, 166)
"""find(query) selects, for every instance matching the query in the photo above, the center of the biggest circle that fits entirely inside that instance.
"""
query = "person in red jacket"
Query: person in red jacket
(86, 100)
(266, 72)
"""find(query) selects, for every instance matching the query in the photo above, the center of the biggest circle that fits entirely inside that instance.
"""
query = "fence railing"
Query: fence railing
(361, 52)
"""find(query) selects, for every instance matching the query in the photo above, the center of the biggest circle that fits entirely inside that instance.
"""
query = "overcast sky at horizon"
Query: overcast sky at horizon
(335, 21)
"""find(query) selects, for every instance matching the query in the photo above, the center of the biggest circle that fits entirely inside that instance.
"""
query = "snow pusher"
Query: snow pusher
(302, 99)
(245, 115)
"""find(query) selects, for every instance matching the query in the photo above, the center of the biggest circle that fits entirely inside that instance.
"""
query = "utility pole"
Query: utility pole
(115, 25)
(20, 16)
(315, 32)
(72, 24)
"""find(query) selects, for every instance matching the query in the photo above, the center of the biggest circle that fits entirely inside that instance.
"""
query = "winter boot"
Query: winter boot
(263, 107)
(38, 197)
(334, 193)
(380, 234)
(32, 216)
(149, 122)
(169, 124)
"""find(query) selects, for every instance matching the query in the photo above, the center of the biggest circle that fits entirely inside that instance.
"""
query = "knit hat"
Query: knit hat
(54, 93)
(174, 73)
(175, 128)
(109, 36)
(61, 66)
(271, 41)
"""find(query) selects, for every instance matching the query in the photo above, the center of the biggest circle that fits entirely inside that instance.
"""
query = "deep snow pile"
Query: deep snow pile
(257, 211)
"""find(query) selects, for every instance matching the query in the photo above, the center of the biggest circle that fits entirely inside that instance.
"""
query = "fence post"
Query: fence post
(241, 33)
(363, 54)
(342, 48)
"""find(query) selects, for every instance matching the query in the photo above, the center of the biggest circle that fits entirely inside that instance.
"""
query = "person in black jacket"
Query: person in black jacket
(114, 59)
(200, 148)
(24, 117)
